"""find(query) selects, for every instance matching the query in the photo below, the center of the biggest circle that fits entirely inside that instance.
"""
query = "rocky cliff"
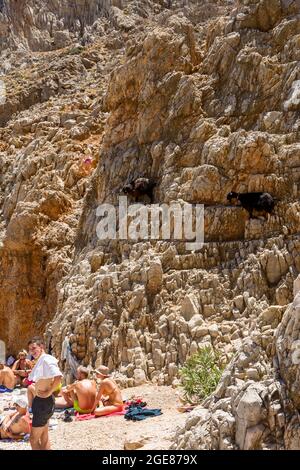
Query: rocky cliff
(202, 97)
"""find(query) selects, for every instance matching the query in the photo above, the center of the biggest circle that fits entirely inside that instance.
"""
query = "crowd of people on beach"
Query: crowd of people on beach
(39, 372)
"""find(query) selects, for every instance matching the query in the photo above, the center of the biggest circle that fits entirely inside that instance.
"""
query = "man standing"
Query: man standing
(47, 378)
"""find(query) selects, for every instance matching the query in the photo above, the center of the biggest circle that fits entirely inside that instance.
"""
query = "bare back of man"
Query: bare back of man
(80, 395)
(7, 377)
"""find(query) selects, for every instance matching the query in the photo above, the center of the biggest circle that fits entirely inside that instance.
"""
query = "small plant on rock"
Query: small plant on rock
(75, 50)
(201, 374)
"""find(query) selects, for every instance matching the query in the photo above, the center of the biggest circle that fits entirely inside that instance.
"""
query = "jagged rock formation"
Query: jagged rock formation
(52, 122)
(168, 77)
(47, 24)
(246, 412)
(202, 97)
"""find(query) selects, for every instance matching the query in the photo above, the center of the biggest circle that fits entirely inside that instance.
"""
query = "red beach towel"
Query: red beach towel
(89, 416)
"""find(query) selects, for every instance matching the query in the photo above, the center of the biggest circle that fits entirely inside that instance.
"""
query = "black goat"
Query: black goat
(140, 187)
(261, 202)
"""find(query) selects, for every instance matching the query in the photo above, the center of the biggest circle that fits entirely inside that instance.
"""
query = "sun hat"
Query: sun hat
(103, 370)
(21, 402)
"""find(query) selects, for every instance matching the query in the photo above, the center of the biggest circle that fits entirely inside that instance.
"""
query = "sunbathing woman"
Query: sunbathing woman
(22, 368)
(109, 399)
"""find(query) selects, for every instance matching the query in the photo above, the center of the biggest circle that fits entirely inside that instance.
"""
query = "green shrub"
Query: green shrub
(75, 50)
(201, 374)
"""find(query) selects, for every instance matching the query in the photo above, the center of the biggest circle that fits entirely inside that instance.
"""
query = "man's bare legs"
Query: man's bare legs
(39, 438)
(45, 441)
(66, 400)
(30, 394)
(70, 397)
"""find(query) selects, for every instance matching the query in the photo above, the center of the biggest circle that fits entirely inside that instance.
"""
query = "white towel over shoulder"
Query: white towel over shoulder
(45, 368)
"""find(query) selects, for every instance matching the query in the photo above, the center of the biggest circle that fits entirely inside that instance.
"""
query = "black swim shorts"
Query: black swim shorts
(42, 410)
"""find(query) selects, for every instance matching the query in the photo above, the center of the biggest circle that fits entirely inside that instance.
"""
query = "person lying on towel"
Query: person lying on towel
(80, 395)
(109, 399)
(17, 423)
(7, 378)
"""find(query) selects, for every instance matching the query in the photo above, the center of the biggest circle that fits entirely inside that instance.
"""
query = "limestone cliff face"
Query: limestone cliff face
(47, 24)
(170, 119)
(202, 97)
(51, 123)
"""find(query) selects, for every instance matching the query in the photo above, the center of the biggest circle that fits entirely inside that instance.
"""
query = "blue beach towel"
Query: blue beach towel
(5, 390)
(24, 439)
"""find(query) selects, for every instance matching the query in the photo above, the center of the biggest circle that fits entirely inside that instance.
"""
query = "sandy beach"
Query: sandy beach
(111, 433)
